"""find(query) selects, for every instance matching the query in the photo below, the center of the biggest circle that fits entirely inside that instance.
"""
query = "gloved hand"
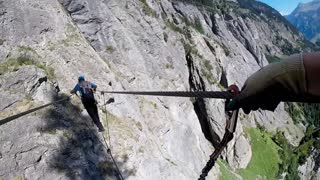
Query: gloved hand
(276, 82)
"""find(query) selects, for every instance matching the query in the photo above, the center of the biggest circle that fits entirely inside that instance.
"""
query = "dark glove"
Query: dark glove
(265, 89)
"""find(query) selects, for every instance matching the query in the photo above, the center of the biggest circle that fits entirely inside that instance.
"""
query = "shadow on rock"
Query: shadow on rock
(80, 153)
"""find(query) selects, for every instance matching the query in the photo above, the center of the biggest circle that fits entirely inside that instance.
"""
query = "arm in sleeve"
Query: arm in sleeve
(93, 85)
(75, 89)
(276, 82)
(312, 66)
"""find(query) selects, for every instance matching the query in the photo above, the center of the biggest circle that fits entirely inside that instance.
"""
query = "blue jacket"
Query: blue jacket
(78, 86)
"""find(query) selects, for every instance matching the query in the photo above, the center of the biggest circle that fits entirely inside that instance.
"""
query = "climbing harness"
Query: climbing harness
(231, 124)
(10, 118)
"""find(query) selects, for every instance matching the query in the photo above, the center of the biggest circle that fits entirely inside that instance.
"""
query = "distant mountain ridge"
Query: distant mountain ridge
(306, 18)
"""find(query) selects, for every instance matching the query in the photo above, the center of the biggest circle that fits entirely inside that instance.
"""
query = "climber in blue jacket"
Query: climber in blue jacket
(85, 89)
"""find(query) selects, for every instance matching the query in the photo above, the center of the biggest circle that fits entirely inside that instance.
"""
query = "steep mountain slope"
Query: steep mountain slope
(306, 18)
(135, 45)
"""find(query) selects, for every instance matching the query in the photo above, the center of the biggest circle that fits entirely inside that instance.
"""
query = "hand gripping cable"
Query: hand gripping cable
(231, 124)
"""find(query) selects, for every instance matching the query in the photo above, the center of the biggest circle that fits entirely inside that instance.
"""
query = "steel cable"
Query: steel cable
(198, 94)
(16, 116)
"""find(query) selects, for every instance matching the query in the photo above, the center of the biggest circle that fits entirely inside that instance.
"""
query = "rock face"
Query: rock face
(310, 169)
(131, 45)
(306, 17)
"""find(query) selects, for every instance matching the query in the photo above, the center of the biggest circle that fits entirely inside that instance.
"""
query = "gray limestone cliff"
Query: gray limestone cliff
(132, 45)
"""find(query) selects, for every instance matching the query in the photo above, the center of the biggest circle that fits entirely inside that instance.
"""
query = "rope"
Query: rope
(231, 124)
(105, 108)
(214, 156)
(16, 116)
(106, 146)
(114, 162)
(198, 94)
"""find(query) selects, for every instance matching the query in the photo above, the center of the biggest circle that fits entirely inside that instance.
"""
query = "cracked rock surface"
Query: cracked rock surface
(129, 45)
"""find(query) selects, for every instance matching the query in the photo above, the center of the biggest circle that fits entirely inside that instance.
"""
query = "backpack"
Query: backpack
(87, 95)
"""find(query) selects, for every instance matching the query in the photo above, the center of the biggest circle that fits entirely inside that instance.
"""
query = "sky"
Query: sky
(285, 7)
